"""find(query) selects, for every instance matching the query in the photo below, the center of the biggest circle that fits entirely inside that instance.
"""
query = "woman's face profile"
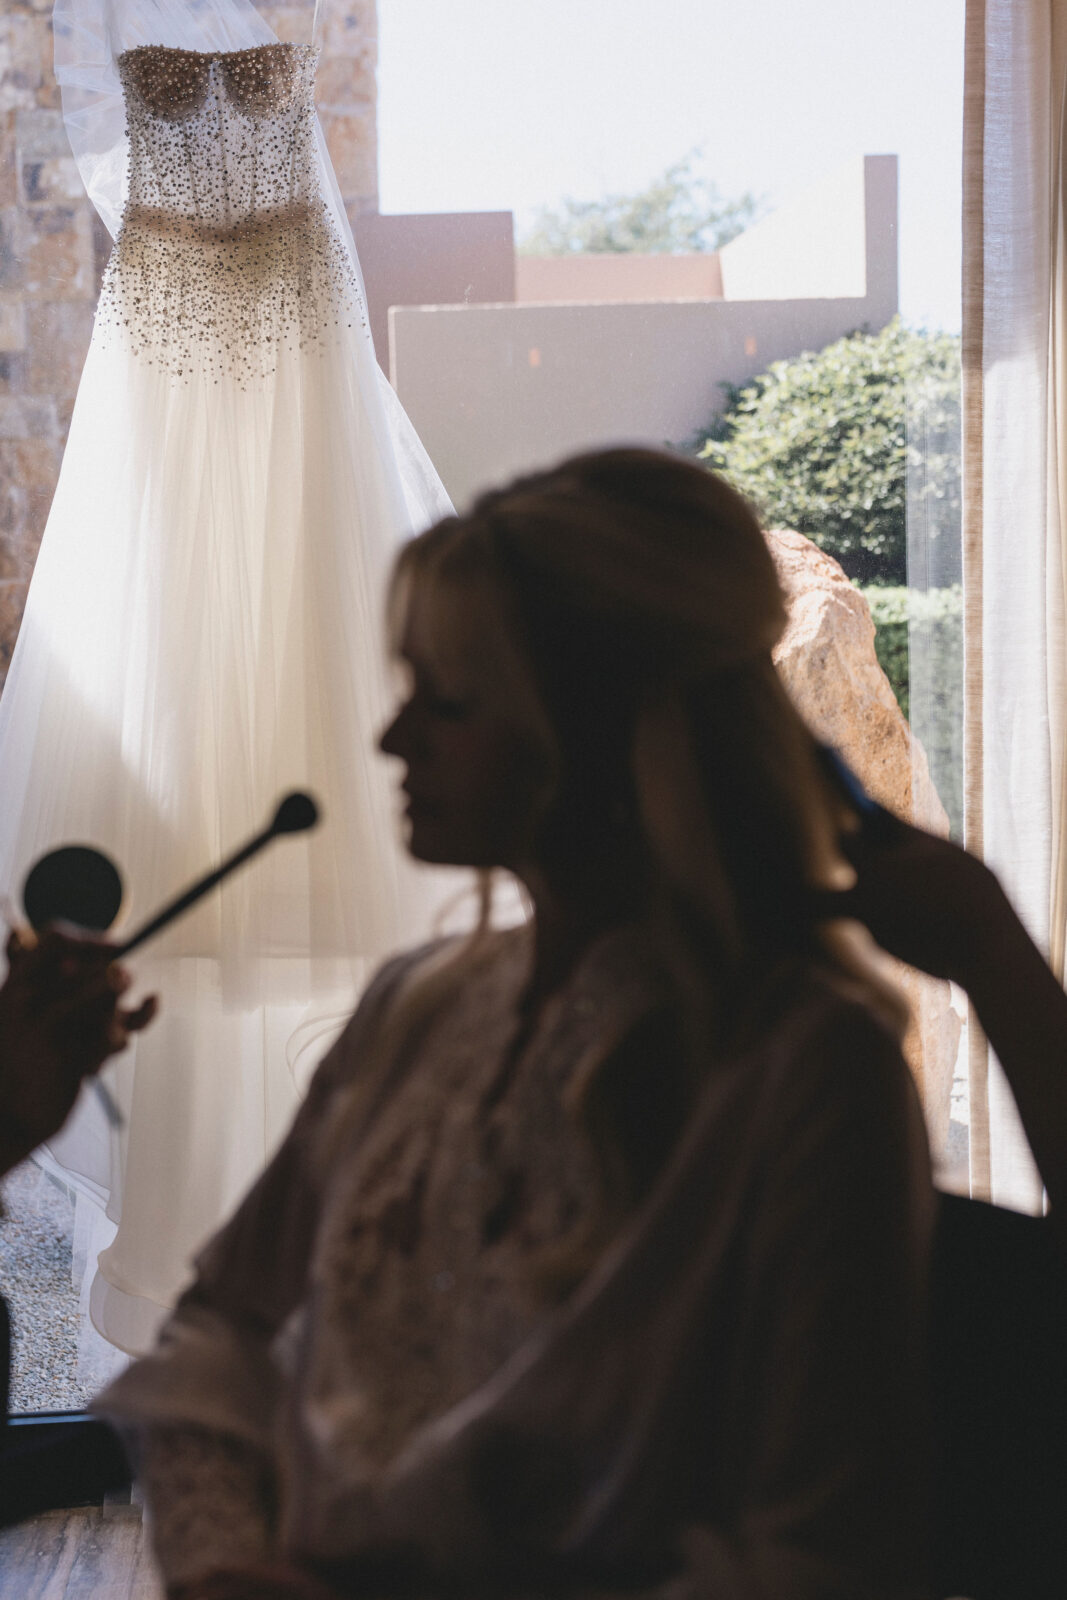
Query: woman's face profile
(476, 772)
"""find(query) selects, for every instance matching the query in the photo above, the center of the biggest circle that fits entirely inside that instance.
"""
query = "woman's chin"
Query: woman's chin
(439, 846)
(430, 843)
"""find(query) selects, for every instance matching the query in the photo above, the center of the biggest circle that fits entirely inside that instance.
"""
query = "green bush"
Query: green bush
(889, 613)
(820, 444)
(919, 641)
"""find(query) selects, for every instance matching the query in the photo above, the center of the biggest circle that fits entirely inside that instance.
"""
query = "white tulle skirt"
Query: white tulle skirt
(204, 631)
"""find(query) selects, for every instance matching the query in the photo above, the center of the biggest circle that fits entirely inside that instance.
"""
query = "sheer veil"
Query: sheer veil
(90, 35)
(250, 991)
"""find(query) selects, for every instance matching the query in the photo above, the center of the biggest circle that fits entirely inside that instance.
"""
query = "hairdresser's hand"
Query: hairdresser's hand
(924, 899)
(273, 1582)
(938, 908)
(60, 1019)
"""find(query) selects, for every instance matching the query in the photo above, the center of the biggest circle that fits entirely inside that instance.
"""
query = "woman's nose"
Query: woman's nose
(394, 738)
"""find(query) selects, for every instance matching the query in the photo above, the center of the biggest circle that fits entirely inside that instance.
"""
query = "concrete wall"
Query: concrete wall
(494, 390)
(498, 389)
(433, 259)
(608, 278)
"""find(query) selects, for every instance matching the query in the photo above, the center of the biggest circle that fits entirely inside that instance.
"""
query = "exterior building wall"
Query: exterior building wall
(440, 258)
(53, 248)
(601, 279)
(500, 389)
(496, 390)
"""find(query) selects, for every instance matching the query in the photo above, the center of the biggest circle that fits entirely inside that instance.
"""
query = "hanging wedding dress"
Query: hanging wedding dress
(203, 630)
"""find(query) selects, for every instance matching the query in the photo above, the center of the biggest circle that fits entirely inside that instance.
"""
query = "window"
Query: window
(812, 154)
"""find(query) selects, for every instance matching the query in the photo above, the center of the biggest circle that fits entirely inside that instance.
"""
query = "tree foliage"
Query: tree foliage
(677, 213)
(820, 444)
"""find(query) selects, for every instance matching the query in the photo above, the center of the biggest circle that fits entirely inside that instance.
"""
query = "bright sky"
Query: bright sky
(506, 104)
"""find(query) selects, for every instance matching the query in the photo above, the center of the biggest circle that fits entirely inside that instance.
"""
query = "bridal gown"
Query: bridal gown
(204, 631)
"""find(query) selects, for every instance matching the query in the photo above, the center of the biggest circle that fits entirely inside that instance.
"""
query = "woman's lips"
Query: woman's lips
(417, 801)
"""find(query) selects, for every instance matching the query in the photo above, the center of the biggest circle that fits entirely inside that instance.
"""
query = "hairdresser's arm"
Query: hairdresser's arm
(60, 1019)
(933, 905)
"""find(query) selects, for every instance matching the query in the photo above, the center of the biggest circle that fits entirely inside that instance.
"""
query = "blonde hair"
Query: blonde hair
(640, 604)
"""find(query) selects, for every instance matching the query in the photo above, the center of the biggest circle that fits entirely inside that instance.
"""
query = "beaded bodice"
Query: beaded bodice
(220, 138)
(226, 247)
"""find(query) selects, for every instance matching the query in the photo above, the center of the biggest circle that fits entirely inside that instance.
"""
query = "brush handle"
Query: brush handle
(195, 892)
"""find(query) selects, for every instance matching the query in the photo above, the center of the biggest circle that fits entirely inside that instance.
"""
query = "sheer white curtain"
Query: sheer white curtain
(1015, 489)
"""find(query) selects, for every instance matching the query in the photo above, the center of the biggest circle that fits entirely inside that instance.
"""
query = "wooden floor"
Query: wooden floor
(88, 1554)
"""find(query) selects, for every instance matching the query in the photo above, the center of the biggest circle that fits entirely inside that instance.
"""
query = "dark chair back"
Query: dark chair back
(1000, 1404)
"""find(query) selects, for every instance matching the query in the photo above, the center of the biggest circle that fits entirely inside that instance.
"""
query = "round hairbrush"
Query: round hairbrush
(79, 885)
(83, 887)
(74, 884)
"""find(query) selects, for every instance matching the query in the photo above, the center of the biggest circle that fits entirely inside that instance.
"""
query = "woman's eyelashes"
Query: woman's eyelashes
(450, 708)
(439, 701)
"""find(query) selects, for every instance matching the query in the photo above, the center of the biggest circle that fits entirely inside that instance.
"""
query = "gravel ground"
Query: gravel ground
(35, 1260)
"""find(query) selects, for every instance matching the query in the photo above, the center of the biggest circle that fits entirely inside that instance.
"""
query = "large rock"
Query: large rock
(827, 661)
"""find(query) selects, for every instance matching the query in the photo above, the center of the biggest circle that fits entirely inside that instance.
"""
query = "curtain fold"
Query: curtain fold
(1015, 482)
(971, 534)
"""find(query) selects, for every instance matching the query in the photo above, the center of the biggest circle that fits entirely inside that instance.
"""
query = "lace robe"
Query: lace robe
(365, 1378)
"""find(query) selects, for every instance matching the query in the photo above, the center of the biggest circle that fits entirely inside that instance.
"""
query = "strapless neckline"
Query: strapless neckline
(215, 55)
(173, 83)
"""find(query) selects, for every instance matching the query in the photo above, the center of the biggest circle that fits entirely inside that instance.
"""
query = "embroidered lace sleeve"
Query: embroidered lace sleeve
(214, 1366)
(210, 1497)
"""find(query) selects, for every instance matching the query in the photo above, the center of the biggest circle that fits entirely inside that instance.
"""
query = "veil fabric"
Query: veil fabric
(203, 631)
(90, 35)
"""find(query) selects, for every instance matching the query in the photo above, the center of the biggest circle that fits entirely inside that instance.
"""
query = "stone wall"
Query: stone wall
(51, 254)
(53, 248)
(346, 88)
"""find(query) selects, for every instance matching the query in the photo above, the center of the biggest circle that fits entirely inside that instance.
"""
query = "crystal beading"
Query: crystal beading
(227, 250)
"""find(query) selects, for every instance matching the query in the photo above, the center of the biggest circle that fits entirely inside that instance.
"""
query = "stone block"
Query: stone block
(47, 89)
(27, 417)
(55, 249)
(57, 338)
(353, 144)
(349, 28)
(9, 181)
(51, 182)
(41, 135)
(291, 22)
(346, 83)
(11, 278)
(12, 325)
(29, 469)
(12, 605)
(12, 372)
(20, 60)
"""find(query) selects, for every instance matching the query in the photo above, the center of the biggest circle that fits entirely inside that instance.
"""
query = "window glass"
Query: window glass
(733, 230)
